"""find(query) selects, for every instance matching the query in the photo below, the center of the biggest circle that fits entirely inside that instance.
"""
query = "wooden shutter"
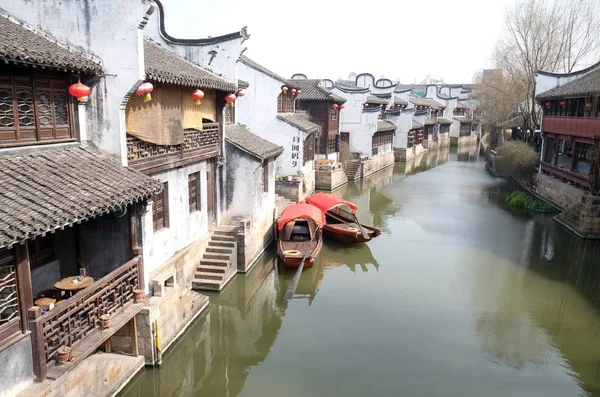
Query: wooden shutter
(160, 209)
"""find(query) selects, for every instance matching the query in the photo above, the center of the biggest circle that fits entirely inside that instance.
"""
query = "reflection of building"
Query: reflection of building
(571, 146)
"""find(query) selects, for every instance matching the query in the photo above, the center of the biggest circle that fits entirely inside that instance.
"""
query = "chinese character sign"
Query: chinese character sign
(295, 151)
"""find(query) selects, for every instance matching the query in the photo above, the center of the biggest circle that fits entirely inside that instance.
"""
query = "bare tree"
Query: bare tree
(551, 35)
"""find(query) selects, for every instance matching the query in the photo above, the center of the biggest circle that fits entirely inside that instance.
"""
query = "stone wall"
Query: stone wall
(377, 163)
(402, 154)
(17, 367)
(581, 210)
(442, 142)
(463, 140)
(252, 239)
(329, 177)
(296, 190)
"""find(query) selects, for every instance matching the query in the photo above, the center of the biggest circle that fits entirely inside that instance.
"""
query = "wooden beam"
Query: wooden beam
(24, 284)
(134, 336)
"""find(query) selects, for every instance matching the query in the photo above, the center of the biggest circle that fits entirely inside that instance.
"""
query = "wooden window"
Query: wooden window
(383, 139)
(194, 196)
(308, 149)
(34, 110)
(285, 103)
(160, 209)
(229, 114)
(42, 250)
(333, 114)
(9, 295)
(332, 143)
(265, 176)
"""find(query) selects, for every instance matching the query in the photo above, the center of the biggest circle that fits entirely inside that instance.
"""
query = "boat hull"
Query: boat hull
(292, 248)
(344, 230)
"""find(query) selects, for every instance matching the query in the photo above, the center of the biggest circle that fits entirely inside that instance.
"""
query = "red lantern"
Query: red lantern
(144, 90)
(299, 92)
(284, 89)
(342, 106)
(197, 96)
(548, 105)
(230, 98)
(466, 110)
(241, 93)
(293, 91)
(563, 104)
(366, 105)
(79, 90)
(335, 106)
(589, 106)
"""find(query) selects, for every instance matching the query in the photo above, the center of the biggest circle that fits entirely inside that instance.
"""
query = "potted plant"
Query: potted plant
(105, 321)
(64, 354)
(139, 295)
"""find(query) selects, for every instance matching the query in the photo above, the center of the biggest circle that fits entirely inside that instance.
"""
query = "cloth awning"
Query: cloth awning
(301, 210)
(326, 201)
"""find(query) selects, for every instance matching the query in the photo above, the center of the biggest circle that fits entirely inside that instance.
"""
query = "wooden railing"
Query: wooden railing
(197, 145)
(75, 318)
(577, 179)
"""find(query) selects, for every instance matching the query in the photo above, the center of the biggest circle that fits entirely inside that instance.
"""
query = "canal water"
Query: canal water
(459, 296)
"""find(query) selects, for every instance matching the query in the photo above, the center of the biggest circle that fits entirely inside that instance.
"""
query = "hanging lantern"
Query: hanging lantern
(230, 98)
(548, 105)
(466, 110)
(563, 104)
(366, 105)
(284, 89)
(293, 91)
(589, 106)
(79, 90)
(335, 106)
(197, 96)
(144, 90)
(299, 92)
(342, 106)
(241, 93)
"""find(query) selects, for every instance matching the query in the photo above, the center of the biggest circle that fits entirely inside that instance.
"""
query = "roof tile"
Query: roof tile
(245, 140)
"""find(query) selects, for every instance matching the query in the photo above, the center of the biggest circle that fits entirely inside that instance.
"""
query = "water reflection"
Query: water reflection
(430, 159)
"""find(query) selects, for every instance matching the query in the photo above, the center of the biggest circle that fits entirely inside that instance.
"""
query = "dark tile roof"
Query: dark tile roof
(165, 66)
(56, 188)
(443, 96)
(313, 90)
(376, 100)
(245, 140)
(403, 88)
(398, 101)
(434, 104)
(342, 85)
(21, 45)
(415, 100)
(461, 106)
(444, 121)
(587, 84)
(243, 84)
(250, 63)
(385, 125)
(429, 121)
(300, 121)
(415, 125)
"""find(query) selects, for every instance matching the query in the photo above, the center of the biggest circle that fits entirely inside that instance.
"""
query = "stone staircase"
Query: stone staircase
(219, 262)
(352, 170)
(281, 202)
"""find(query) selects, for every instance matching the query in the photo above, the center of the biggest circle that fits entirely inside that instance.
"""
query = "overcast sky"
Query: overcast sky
(399, 39)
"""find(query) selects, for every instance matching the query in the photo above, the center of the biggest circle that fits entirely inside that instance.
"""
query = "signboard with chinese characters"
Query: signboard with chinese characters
(295, 151)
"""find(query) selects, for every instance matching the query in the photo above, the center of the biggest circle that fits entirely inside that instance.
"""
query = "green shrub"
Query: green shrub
(519, 199)
(516, 159)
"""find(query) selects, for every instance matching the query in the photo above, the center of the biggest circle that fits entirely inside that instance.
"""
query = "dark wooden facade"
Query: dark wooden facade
(323, 114)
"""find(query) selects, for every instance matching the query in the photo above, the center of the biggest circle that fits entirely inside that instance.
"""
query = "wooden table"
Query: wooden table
(45, 302)
(71, 288)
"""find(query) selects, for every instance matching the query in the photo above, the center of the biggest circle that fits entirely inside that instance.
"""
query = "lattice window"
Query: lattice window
(34, 110)
(382, 139)
(160, 209)
(229, 114)
(9, 297)
(194, 192)
(333, 114)
(332, 143)
(308, 149)
(285, 103)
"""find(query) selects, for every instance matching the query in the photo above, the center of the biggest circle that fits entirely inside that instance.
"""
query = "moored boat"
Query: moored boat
(340, 224)
(300, 234)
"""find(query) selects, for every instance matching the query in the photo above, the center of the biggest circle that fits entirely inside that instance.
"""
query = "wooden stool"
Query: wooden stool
(45, 303)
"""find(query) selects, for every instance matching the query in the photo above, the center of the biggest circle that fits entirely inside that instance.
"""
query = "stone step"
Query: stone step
(211, 269)
(214, 262)
(223, 232)
(200, 275)
(221, 244)
(211, 285)
(215, 250)
(222, 257)
(220, 237)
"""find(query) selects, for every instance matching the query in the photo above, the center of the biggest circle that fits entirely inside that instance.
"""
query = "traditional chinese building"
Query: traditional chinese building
(570, 154)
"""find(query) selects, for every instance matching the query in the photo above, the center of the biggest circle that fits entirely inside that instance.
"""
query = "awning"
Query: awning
(301, 210)
(325, 201)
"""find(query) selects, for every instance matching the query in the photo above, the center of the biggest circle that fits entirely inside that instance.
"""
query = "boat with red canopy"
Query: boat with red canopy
(300, 234)
(340, 224)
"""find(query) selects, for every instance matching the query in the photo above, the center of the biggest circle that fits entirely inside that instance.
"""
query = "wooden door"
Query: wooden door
(210, 192)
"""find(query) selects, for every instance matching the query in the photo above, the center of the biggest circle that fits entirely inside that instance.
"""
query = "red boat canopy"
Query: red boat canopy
(301, 210)
(326, 201)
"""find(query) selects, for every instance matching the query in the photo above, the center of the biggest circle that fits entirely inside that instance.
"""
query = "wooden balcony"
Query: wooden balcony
(197, 145)
(573, 126)
(579, 180)
(75, 322)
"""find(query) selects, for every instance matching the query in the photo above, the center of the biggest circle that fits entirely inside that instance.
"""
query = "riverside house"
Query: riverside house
(570, 153)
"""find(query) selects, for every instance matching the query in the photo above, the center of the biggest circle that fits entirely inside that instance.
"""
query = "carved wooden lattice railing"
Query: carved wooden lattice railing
(70, 322)
(206, 138)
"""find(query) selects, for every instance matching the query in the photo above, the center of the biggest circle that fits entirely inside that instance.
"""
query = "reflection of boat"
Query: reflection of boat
(300, 234)
(334, 255)
(341, 225)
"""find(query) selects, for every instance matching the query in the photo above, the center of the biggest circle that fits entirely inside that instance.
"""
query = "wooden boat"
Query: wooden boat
(341, 225)
(300, 234)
